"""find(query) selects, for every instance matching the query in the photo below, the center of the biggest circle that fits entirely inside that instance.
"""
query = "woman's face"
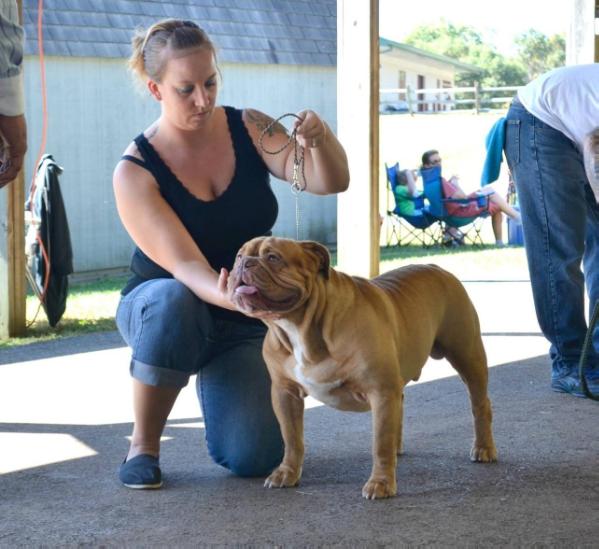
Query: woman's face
(433, 160)
(188, 88)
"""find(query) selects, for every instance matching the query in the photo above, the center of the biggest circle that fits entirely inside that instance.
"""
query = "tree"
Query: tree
(466, 44)
(456, 41)
(539, 53)
(536, 54)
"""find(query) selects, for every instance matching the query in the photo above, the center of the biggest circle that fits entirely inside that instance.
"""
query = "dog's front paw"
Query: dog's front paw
(483, 454)
(282, 477)
(379, 488)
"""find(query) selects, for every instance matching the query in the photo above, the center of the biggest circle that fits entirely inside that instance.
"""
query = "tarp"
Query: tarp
(48, 240)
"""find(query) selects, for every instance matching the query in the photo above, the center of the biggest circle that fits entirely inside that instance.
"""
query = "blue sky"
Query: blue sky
(498, 25)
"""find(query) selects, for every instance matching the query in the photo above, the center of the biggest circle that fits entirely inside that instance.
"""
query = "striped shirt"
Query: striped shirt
(11, 60)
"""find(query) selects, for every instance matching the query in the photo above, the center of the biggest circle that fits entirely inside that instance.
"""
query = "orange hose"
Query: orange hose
(40, 41)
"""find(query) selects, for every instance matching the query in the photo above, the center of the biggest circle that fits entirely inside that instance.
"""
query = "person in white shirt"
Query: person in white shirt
(13, 129)
(547, 126)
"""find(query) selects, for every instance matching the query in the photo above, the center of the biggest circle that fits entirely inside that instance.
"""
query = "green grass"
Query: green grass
(91, 306)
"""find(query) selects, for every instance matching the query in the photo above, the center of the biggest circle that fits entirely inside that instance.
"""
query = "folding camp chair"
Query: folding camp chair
(420, 227)
(470, 226)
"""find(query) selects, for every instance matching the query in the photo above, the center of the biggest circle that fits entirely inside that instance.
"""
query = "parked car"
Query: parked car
(393, 107)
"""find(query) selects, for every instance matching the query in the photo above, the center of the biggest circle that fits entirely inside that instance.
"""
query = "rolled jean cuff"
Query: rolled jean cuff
(156, 376)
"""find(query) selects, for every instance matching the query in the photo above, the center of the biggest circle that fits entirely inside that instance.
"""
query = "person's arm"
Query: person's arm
(159, 233)
(325, 161)
(411, 181)
(13, 130)
(457, 190)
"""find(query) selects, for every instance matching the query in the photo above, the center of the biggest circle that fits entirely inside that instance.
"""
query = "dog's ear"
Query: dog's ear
(322, 255)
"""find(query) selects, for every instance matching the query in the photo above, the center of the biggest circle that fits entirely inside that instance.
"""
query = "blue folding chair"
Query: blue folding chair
(419, 227)
(470, 226)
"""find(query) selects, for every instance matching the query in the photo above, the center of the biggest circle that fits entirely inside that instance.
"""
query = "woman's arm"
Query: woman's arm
(325, 161)
(159, 233)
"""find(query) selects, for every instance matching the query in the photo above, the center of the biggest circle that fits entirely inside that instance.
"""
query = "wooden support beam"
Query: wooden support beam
(358, 129)
(582, 44)
(12, 253)
(596, 26)
(17, 284)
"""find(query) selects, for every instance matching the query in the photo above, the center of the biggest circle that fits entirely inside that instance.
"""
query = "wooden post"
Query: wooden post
(582, 44)
(358, 224)
(596, 31)
(4, 293)
(477, 97)
(410, 99)
(12, 256)
(16, 257)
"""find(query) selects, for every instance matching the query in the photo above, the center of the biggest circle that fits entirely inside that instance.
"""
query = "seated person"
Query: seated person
(404, 192)
(452, 189)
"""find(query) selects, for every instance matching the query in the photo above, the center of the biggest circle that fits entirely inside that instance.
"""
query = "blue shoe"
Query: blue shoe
(141, 473)
(567, 384)
(570, 383)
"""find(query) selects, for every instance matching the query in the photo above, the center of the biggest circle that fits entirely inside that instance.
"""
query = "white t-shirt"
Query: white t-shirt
(567, 99)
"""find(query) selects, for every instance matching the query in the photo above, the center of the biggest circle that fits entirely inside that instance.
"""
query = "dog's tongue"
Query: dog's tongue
(246, 290)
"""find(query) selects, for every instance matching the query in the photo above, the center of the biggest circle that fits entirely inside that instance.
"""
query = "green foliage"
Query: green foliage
(537, 53)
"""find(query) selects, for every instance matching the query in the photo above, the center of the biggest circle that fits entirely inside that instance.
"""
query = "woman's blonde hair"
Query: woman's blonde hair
(148, 58)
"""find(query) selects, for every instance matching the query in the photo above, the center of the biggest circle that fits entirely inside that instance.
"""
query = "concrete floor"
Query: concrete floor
(65, 415)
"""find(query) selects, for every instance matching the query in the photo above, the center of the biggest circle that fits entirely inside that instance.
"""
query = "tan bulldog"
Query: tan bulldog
(354, 344)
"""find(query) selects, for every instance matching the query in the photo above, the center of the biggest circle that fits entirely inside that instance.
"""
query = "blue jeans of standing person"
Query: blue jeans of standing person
(174, 335)
(560, 222)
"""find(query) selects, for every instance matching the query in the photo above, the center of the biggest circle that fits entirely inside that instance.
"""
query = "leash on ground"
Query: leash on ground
(298, 164)
(585, 349)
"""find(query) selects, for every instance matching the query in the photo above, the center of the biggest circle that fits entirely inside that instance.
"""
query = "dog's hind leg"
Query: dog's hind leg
(470, 361)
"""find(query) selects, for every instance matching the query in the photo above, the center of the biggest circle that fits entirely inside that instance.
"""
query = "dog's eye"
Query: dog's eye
(272, 258)
(238, 256)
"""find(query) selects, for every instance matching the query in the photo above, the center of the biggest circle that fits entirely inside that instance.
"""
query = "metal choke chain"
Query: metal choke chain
(298, 164)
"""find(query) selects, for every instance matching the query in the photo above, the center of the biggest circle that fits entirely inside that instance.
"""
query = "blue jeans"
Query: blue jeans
(560, 222)
(173, 335)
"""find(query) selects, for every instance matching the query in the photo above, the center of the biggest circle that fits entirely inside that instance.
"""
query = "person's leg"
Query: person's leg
(497, 222)
(547, 170)
(503, 205)
(166, 326)
(242, 431)
(151, 407)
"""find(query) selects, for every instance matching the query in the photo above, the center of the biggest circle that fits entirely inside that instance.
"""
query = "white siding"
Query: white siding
(94, 112)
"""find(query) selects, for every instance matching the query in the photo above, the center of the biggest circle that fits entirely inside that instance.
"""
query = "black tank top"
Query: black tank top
(246, 209)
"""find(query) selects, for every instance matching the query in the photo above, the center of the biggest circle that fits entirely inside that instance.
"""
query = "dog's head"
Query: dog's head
(276, 274)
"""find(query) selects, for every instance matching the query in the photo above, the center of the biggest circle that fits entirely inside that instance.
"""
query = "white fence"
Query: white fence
(435, 100)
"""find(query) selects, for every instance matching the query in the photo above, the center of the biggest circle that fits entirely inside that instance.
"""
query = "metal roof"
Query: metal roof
(389, 45)
(292, 32)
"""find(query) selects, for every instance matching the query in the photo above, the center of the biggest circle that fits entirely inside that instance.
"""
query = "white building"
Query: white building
(408, 68)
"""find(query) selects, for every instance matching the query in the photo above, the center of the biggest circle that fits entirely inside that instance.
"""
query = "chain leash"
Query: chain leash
(298, 165)
(588, 342)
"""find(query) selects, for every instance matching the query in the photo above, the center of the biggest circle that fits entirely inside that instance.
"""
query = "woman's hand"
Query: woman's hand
(325, 169)
(311, 130)
(221, 288)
